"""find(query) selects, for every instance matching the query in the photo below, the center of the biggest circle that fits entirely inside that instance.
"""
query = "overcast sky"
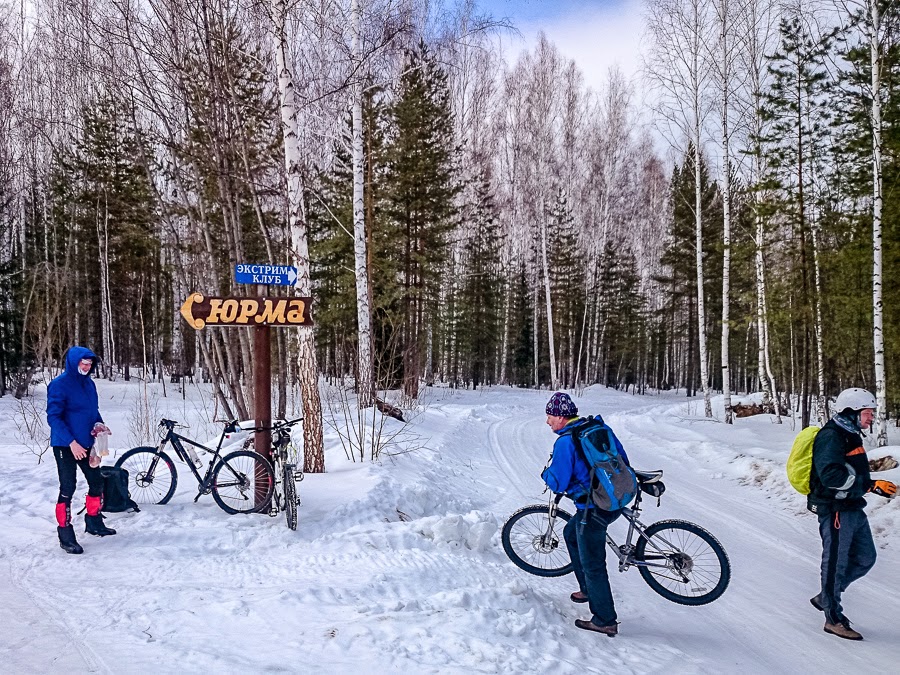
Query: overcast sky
(594, 33)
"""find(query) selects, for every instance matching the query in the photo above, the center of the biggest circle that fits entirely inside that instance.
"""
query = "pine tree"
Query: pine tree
(421, 202)
(482, 290)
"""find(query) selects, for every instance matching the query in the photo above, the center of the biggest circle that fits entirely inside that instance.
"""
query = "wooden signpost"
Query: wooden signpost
(257, 312)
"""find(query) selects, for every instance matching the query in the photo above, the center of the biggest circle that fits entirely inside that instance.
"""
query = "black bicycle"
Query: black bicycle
(240, 482)
(288, 471)
(679, 560)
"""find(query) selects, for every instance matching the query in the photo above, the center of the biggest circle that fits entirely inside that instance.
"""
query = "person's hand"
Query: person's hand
(884, 488)
(79, 452)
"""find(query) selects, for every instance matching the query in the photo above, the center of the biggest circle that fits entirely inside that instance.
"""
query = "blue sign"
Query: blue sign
(267, 275)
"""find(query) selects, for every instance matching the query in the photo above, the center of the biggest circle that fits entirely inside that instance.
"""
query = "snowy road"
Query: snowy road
(397, 567)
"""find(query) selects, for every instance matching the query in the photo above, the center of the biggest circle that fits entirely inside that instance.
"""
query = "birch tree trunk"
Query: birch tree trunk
(554, 378)
(877, 204)
(725, 83)
(365, 385)
(701, 298)
(306, 361)
(821, 412)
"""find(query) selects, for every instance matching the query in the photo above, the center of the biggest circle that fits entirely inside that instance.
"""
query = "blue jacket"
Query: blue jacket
(568, 473)
(72, 407)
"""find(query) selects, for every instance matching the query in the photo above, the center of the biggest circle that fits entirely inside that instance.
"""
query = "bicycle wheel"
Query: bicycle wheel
(535, 544)
(243, 482)
(290, 496)
(683, 562)
(151, 475)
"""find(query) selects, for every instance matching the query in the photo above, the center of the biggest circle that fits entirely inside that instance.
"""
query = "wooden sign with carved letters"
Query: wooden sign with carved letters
(201, 311)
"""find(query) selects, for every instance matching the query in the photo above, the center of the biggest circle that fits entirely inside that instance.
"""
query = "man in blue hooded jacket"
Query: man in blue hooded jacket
(585, 533)
(72, 413)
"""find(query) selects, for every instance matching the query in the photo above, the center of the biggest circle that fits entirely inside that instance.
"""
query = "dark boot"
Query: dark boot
(67, 540)
(94, 525)
(609, 631)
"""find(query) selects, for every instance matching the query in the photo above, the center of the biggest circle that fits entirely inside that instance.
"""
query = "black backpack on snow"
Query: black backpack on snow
(116, 497)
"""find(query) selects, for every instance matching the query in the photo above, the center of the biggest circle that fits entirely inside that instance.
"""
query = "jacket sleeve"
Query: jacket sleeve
(56, 408)
(828, 459)
(558, 475)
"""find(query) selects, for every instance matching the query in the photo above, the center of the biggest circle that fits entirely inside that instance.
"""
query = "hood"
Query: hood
(74, 355)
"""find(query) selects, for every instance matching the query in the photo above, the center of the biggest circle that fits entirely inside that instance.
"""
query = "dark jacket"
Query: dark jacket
(840, 474)
(72, 406)
(568, 473)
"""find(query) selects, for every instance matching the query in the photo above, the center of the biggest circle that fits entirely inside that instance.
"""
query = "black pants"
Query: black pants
(848, 553)
(585, 536)
(65, 465)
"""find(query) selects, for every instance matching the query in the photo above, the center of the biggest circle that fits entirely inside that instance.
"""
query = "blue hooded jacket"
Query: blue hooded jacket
(72, 406)
(568, 473)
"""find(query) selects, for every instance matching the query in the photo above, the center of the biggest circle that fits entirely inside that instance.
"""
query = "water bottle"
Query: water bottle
(194, 457)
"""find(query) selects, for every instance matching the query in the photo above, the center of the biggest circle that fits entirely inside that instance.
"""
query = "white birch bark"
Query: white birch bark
(820, 350)
(307, 366)
(874, 36)
(365, 385)
(554, 378)
(725, 73)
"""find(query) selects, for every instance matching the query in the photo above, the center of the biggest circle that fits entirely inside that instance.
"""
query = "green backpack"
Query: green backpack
(799, 464)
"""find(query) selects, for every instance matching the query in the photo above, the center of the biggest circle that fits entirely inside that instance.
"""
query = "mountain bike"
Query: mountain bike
(679, 560)
(240, 482)
(287, 472)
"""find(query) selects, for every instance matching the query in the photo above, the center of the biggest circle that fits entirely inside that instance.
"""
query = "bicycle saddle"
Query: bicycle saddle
(648, 476)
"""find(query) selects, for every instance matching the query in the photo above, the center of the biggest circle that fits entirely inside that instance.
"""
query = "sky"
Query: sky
(596, 34)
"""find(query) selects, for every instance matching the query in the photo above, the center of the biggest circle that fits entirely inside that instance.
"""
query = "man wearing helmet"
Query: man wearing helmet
(837, 482)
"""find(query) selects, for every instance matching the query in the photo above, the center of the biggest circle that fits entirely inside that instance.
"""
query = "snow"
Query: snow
(396, 566)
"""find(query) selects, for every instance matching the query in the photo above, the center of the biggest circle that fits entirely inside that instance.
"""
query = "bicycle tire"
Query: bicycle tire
(243, 482)
(290, 496)
(521, 538)
(152, 477)
(708, 572)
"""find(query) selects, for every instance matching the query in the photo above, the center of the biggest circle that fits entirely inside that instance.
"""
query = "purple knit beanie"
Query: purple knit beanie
(561, 405)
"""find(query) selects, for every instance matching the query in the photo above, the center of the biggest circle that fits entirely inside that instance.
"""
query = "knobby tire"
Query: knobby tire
(521, 541)
(680, 543)
(152, 478)
(243, 482)
(290, 496)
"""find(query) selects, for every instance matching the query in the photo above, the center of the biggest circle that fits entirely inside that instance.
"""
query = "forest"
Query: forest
(726, 222)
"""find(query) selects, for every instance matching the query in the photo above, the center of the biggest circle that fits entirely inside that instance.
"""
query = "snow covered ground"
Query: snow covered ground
(396, 567)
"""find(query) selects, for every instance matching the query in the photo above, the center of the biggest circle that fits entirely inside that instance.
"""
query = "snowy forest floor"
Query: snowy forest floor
(396, 566)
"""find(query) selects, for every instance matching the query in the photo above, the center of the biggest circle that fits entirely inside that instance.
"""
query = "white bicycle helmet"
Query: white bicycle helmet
(855, 399)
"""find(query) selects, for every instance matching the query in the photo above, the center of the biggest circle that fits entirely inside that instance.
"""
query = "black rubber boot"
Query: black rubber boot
(67, 540)
(94, 525)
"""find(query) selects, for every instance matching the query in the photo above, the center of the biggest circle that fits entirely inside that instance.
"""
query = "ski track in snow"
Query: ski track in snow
(398, 568)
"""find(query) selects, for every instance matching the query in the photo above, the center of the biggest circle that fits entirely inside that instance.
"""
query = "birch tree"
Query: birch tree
(308, 369)
(365, 382)
(680, 31)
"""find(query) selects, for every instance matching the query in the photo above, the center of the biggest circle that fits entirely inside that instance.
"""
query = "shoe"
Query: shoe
(842, 630)
(94, 525)
(578, 596)
(609, 631)
(67, 540)
(816, 601)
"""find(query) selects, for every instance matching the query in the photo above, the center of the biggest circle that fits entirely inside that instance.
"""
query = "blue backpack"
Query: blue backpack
(613, 483)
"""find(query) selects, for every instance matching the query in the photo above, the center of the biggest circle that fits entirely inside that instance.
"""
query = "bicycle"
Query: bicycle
(240, 482)
(287, 475)
(678, 559)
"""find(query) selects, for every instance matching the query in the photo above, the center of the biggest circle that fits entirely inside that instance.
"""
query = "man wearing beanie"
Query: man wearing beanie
(585, 533)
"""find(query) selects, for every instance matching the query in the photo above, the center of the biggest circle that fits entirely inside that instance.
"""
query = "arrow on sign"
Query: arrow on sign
(200, 311)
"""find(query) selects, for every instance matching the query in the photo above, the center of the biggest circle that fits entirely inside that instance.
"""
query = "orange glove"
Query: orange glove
(885, 488)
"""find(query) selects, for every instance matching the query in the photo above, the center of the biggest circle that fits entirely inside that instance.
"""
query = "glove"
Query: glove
(884, 488)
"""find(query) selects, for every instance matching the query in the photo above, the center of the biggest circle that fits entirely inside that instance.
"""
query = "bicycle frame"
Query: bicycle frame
(176, 439)
(625, 552)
